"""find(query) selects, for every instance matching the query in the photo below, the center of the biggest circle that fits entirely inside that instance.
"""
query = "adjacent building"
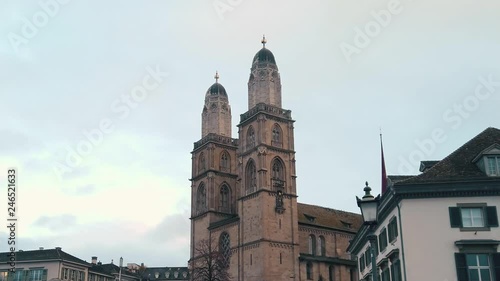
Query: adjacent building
(441, 224)
(244, 193)
(57, 265)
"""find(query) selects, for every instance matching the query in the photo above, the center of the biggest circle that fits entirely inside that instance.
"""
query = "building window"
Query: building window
(201, 199)
(312, 245)
(382, 239)
(309, 270)
(225, 195)
(91, 277)
(81, 276)
(225, 248)
(36, 275)
(203, 163)
(493, 163)
(476, 267)
(4, 275)
(393, 229)
(385, 275)
(251, 177)
(225, 165)
(368, 256)
(362, 262)
(331, 273)
(277, 136)
(473, 217)
(250, 137)
(278, 174)
(65, 274)
(322, 246)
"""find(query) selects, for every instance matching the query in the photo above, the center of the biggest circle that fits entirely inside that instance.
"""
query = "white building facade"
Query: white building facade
(442, 224)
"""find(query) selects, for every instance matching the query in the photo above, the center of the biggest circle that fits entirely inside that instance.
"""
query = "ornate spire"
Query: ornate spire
(264, 41)
(216, 76)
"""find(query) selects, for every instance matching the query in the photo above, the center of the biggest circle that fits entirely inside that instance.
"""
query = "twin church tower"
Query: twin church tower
(243, 191)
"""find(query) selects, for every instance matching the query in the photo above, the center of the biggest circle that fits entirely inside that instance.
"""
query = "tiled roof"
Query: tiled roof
(458, 166)
(44, 255)
(326, 217)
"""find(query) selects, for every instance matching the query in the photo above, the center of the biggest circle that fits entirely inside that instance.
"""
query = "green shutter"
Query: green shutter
(455, 217)
(44, 275)
(461, 266)
(496, 265)
(491, 216)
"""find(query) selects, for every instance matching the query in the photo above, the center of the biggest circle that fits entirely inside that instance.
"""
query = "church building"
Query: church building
(244, 193)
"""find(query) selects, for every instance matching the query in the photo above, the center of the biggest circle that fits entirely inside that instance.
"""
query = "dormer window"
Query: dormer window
(346, 224)
(310, 218)
(493, 165)
(489, 161)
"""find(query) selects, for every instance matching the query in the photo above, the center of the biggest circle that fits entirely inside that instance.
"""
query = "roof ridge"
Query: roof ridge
(327, 208)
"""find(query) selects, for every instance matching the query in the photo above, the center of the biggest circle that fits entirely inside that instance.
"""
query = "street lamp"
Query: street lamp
(369, 210)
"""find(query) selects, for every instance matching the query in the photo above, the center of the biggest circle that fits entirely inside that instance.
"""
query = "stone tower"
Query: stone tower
(266, 162)
(213, 178)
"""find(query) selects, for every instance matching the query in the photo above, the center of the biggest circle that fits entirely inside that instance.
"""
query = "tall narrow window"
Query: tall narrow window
(250, 137)
(278, 174)
(201, 199)
(309, 270)
(312, 245)
(331, 272)
(225, 248)
(225, 165)
(277, 138)
(251, 177)
(225, 196)
(202, 165)
(494, 165)
(322, 245)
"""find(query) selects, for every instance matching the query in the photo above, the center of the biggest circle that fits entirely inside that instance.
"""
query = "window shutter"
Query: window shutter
(44, 275)
(496, 264)
(461, 265)
(455, 217)
(491, 216)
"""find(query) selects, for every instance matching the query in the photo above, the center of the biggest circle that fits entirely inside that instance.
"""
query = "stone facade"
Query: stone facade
(245, 189)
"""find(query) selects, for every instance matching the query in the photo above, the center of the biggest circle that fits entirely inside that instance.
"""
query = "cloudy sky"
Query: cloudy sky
(101, 103)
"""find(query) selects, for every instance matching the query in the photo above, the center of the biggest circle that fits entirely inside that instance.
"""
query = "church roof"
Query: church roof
(459, 165)
(330, 218)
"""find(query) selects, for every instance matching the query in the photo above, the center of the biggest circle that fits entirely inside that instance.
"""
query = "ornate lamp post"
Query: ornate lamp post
(369, 209)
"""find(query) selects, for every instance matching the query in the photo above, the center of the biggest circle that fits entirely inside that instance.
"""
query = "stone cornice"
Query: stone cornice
(274, 112)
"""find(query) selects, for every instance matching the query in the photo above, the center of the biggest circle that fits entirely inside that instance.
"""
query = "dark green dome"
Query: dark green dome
(216, 89)
(264, 55)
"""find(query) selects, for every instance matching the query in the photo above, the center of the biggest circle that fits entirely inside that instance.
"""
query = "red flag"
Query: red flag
(384, 174)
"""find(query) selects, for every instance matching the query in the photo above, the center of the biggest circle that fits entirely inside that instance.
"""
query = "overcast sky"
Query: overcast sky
(426, 72)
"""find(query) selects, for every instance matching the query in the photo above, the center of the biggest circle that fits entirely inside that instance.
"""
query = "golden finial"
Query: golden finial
(216, 76)
(264, 41)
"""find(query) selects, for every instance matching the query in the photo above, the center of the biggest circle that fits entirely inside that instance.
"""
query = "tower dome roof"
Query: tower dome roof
(264, 55)
(216, 90)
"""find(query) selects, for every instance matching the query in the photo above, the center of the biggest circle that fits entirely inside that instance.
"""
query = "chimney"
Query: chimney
(94, 260)
(58, 248)
(40, 248)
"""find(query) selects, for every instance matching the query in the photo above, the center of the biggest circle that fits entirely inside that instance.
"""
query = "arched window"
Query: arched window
(322, 245)
(277, 174)
(225, 196)
(312, 245)
(225, 165)
(202, 165)
(277, 137)
(331, 271)
(309, 270)
(225, 248)
(251, 177)
(250, 137)
(201, 199)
